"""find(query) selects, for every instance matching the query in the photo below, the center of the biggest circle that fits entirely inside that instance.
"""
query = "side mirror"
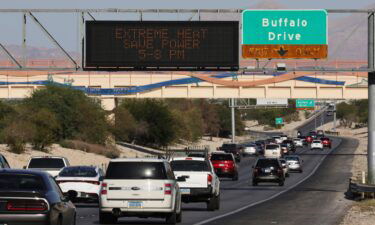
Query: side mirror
(181, 179)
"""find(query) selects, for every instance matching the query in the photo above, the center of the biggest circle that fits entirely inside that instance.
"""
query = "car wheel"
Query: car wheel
(281, 183)
(217, 202)
(179, 217)
(301, 171)
(211, 204)
(255, 183)
(107, 218)
(235, 177)
(171, 218)
(287, 175)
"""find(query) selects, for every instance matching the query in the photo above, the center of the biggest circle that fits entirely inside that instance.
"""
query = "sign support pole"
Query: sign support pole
(334, 117)
(233, 120)
(371, 101)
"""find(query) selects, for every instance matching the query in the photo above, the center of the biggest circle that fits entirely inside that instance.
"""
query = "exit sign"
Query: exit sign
(284, 34)
(279, 121)
(305, 104)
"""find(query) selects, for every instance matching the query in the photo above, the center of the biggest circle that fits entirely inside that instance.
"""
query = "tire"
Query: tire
(74, 219)
(301, 171)
(287, 175)
(235, 177)
(179, 217)
(211, 204)
(171, 218)
(217, 202)
(107, 218)
(281, 183)
(255, 183)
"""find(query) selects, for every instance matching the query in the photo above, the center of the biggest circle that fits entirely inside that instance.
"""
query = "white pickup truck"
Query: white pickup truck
(49, 164)
(197, 180)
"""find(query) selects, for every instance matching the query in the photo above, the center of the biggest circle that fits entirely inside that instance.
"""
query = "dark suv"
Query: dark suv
(268, 170)
(290, 145)
(235, 149)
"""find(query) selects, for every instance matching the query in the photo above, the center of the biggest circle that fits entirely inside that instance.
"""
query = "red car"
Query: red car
(326, 142)
(309, 139)
(224, 165)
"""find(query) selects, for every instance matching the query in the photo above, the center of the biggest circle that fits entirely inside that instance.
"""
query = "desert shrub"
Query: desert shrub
(17, 133)
(107, 151)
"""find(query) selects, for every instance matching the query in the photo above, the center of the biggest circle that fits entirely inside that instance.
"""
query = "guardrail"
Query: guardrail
(358, 191)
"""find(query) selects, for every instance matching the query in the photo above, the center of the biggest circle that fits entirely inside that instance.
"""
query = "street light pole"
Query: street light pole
(371, 101)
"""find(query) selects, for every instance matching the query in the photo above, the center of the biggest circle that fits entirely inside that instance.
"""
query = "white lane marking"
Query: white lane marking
(271, 197)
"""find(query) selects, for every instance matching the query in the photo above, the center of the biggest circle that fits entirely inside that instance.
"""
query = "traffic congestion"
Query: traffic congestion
(48, 189)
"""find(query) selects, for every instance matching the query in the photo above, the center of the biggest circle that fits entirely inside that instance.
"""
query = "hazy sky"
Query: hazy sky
(64, 26)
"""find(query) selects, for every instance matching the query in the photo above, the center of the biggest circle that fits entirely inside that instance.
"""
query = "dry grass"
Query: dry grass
(367, 205)
(107, 151)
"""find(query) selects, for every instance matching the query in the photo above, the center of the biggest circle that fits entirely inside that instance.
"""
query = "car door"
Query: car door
(64, 207)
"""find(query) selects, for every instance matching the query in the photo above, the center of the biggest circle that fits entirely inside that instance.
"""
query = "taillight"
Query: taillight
(209, 179)
(104, 189)
(26, 205)
(167, 189)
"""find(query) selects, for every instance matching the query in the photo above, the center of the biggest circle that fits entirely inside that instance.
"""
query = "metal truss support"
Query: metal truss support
(53, 39)
(2, 47)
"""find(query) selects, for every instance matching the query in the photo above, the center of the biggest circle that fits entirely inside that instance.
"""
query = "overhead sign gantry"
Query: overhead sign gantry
(284, 34)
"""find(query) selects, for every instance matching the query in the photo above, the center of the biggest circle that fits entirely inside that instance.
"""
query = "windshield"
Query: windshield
(78, 172)
(221, 157)
(189, 165)
(47, 163)
(271, 147)
(267, 163)
(21, 182)
(136, 170)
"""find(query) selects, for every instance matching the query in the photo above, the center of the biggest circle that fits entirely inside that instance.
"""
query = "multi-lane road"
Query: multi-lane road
(322, 179)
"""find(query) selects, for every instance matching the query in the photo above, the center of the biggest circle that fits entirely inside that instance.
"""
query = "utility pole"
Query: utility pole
(232, 105)
(371, 101)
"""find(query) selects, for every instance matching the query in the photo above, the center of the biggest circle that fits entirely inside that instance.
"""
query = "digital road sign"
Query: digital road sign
(161, 45)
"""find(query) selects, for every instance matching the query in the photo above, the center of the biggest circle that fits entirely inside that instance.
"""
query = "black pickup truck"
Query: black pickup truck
(233, 148)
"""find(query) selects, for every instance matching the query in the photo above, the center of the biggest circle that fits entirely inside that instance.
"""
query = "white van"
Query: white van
(272, 151)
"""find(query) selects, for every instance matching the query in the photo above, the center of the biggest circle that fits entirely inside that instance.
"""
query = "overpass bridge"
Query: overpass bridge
(110, 86)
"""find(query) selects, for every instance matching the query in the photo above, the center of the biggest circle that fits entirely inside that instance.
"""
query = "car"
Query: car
(327, 143)
(277, 139)
(294, 163)
(309, 139)
(3, 162)
(224, 165)
(319, 133)
(298, 142)
(148, 188)
(83, 181)
(273, 150)
(290, 144)
(284, 148)
(285, 166)
(233, 148)
(316, 144)
(200, 182)
(250, 149)
(33, 197)
(284, 137)
(268, 170)
(49, 164)
(304, 142)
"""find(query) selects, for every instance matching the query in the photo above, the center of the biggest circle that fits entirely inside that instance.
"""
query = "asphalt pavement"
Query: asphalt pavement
(239, 199)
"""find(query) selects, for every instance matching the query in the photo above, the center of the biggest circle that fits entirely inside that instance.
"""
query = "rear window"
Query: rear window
(21, 182)
(229, 146)
(47, 163)
(267, 163)
(272, 147)
(316, 142)
(189, 165)
(221, 157)
(288, 158)
(136, 170)
(78, 172)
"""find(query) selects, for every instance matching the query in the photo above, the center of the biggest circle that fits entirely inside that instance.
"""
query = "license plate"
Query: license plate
(267, 170)
(221, 165)
(135, 205)
(185, 191)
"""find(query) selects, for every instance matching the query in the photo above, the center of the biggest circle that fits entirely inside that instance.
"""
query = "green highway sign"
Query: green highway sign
(284, 27)
(279, 121)
(305, 104)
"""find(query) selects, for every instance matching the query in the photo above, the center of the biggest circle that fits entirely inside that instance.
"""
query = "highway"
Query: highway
(239, 196)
